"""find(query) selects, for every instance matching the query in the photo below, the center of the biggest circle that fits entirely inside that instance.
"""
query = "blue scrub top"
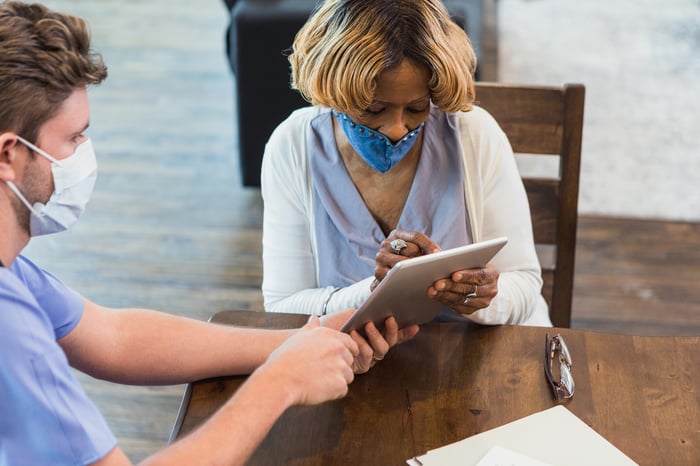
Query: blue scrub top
(45, 416)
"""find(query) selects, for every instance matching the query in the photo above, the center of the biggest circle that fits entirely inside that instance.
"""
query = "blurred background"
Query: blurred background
(170, 226)
(640, 62)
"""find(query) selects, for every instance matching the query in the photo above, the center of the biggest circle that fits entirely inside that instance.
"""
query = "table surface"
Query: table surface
(456, 380)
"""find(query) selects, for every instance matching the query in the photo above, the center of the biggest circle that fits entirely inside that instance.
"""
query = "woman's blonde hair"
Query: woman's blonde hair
(343, 48)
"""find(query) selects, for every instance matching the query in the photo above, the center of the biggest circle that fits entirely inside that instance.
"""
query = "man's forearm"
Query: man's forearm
(234, 432)
(137, 346)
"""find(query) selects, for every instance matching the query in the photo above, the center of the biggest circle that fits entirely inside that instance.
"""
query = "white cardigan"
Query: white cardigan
(495, 199)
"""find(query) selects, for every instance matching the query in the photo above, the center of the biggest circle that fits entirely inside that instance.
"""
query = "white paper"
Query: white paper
(554, 436)
(499, 456)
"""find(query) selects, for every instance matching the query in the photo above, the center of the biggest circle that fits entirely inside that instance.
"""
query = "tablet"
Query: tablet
(403, 292)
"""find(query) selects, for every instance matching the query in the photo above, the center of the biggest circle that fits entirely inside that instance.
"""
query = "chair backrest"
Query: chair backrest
(546, 121)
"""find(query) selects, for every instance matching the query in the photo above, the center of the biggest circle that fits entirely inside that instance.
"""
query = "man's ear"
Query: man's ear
(8, 154)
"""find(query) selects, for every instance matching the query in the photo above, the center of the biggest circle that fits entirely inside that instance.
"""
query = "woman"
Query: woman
(392, 149)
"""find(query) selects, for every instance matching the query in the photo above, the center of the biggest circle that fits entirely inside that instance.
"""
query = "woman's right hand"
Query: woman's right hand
(398, 246)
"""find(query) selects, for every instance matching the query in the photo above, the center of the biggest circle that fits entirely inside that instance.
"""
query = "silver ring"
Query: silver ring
(471, 295)
(397, 245)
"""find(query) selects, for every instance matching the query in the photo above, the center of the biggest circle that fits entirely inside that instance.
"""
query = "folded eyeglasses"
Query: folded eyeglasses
(557, 367)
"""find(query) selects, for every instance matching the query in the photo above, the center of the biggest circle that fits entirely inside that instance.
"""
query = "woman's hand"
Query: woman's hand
(467, 291)
(398, 246)
(377, 344)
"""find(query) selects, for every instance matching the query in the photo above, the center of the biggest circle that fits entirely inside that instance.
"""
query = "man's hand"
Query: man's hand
(316, 364)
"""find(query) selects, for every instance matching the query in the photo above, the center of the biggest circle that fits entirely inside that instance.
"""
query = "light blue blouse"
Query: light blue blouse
(347, 235)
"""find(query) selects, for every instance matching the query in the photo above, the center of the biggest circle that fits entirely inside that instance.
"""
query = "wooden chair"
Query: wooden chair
(546, 121)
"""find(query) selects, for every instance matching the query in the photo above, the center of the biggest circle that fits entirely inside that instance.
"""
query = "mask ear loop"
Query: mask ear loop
(15, 189)
(21, 197)
(39, 151)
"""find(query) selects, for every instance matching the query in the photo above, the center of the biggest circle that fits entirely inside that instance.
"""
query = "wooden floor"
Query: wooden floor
(171, 228)
(637, 277)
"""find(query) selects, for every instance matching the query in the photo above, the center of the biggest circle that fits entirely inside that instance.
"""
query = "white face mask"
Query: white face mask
(74, 178)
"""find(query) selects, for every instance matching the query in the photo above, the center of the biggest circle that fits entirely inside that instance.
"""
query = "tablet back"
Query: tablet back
(404, 291)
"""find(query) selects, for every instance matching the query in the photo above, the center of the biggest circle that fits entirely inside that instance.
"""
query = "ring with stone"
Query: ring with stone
(397, 245)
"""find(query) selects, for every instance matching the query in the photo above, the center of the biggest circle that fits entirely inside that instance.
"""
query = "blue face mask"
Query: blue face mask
(375, 148)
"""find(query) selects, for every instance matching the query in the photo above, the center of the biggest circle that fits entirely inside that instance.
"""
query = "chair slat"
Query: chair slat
(543, 196)
(534, 138)
(533, 120)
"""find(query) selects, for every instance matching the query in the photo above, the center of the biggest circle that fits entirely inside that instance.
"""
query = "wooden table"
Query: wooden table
(455, 380)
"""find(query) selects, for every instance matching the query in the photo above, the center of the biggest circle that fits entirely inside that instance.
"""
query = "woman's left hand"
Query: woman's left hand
(377, 344)
(467, 291)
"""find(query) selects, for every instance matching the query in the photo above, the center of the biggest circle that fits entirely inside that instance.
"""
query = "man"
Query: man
(47, 172)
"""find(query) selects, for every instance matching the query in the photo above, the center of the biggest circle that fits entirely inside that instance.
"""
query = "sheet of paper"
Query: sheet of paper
(499, 456)
(554, 436)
